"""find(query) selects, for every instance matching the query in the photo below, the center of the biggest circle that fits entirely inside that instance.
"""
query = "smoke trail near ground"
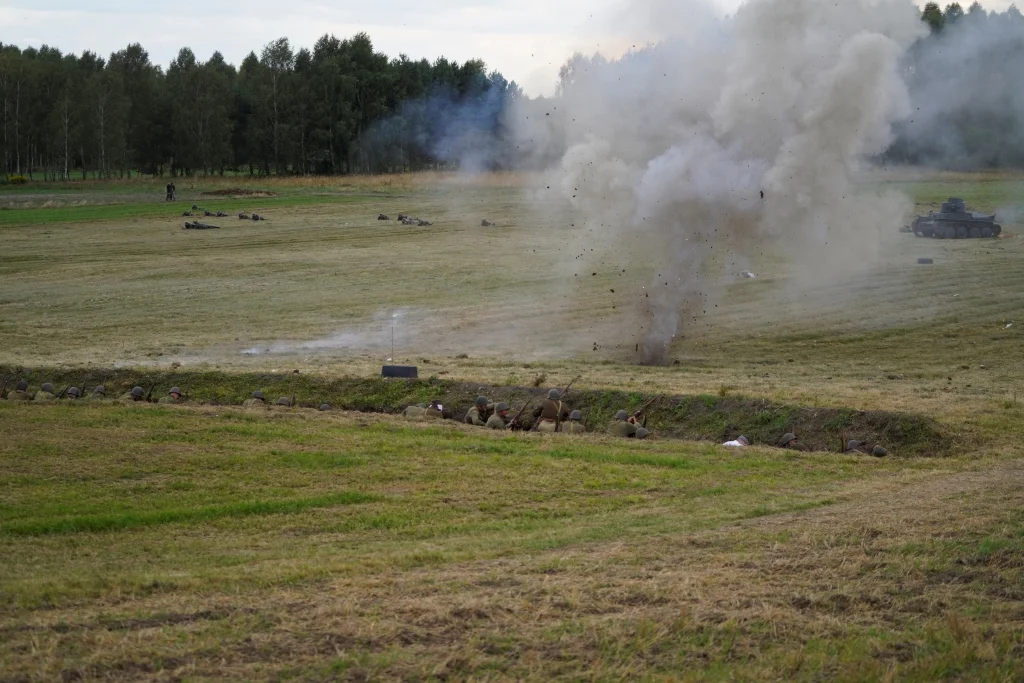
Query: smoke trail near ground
(732, 134)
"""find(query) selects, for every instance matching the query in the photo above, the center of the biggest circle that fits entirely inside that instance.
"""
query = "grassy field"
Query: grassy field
(208, 542)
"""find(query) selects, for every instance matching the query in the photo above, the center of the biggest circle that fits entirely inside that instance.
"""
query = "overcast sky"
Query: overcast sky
(527, 40)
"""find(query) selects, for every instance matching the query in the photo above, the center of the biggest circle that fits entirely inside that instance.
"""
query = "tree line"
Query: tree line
(966, 84)
(339, 108)
(343, 107)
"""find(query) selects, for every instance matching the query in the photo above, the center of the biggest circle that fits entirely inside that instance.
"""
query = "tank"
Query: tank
(955, 222)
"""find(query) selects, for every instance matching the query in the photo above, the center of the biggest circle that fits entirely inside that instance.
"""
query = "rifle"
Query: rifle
(515, 420)
(62, 392)
(561, 397)
(568, 386)
(149, 396)
(644, 407)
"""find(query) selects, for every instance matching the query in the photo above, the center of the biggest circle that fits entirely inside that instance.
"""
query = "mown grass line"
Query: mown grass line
(131, 520)
(127, 210)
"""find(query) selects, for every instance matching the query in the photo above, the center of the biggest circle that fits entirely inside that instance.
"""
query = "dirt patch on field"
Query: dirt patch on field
(239, 192)
(702, 417)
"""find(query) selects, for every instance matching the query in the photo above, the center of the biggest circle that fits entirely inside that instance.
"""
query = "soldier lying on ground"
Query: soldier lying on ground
(20, 392)
(480, 412)
(133, 396)
(790, 441)
(99, 393)
(423, 411)
(854, 446)
(45, 393)
(498, 420)
(71, 394)
(621, 426)
(627, 426)
(256, 400)
(551, 413)
(739, 442)
(575, 423)
(173, 397)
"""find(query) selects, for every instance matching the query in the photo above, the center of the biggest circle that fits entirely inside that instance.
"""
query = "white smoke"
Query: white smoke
(733, 133)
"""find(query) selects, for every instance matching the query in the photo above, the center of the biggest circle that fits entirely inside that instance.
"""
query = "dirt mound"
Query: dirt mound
(239, 192)
(692, 418)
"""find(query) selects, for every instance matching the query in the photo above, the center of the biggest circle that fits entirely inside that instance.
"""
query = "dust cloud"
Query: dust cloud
(731, 136)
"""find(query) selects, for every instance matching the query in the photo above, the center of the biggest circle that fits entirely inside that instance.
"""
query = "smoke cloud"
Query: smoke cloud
(733, 134)
(967, 93)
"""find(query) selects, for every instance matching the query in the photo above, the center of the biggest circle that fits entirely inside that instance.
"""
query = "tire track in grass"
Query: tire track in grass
(133, 520)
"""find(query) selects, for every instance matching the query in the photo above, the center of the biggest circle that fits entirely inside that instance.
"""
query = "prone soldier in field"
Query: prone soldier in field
(789, 441)
(45, 393)
(72, 394)
(551, 413)
(20, 392)
(622, 425)
(255, 401)
(173, 397)
(480, 412)
(136, 395)
(575, 423)
(99, 393)
(498, 419)
(855, 446)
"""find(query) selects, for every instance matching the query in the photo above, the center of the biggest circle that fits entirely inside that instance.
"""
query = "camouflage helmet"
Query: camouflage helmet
(879, 452)
(258, 394)
(743, 440)
(175, 390)
(325, 407)
(47, 387)
(641, 433)
(73, 391)
(576, 415)
(786, 438)
(622, 415)
(22, 385)
(853, 445)
(500, 407)
(283, 401)
(554, 395)
(138, 392)
(100, 389)
(481, 401)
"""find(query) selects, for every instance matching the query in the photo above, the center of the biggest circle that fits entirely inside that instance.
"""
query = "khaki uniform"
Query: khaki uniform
(574, 427)
(414, 412)
(254, 403)
(44, 396)
(96, 397)
(478, 416)
(496, 422)
(128, 398)
(796, 447)
(622, 428)
(170, 400)
(19, 396)
(551, 414)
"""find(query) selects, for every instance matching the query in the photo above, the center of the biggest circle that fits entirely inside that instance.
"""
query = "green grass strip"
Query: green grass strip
(131, 520)
(172, 212)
